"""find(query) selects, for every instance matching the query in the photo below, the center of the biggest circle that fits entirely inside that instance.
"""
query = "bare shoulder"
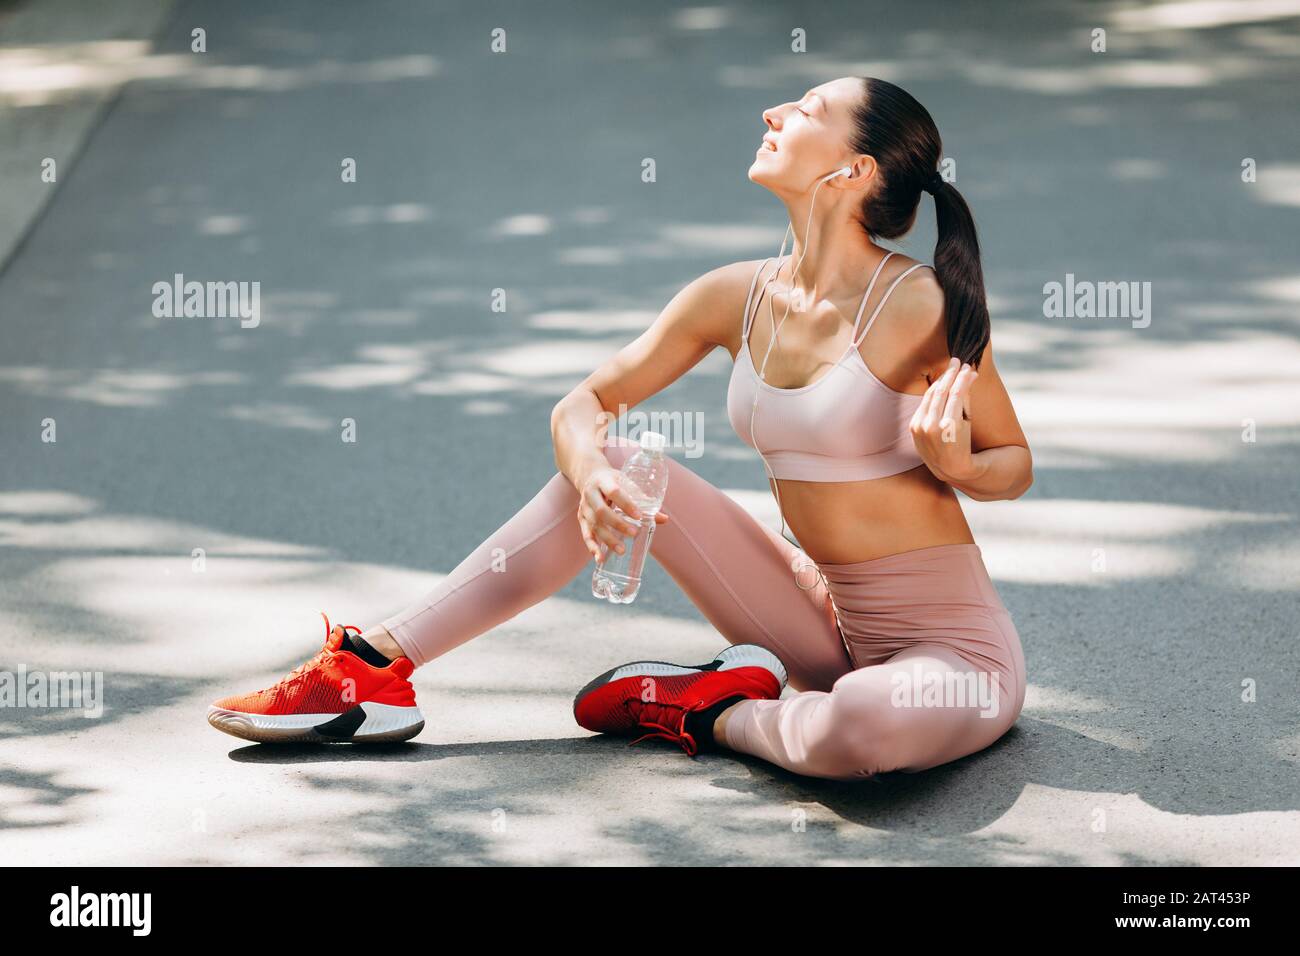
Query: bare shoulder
(919, 300)
(714, 303)
(916, 322)
(725, 282)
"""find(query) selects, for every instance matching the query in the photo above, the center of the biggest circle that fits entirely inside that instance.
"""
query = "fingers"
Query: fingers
(936, 396)
(617, 494)
(590, 501)
(584, 526)
(588, 522)
(618, 498)
(958, 397)
(610, 518)
(945, 402)
(606, 526)
(602, 513)
(600, 538)
(610, 538)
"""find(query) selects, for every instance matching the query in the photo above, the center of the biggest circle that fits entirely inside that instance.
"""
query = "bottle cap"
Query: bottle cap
(653, 441)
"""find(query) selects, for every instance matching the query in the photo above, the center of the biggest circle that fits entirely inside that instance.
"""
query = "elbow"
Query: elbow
(559, 413)
(1013, 486)
(575, 407)
(1026, 480)
(560, 409)
(1021, 488)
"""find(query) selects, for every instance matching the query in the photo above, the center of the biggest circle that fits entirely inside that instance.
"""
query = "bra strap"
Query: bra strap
(866, 295)
(885, 298)
(745, 321)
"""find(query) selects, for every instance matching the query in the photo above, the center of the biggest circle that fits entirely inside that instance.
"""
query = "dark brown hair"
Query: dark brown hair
(898, 132)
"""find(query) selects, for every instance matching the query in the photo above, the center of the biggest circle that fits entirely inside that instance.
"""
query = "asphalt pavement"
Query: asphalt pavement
(199, 503)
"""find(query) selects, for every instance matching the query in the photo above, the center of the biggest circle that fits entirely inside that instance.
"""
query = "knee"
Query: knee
(1011, 698)
(865, 736)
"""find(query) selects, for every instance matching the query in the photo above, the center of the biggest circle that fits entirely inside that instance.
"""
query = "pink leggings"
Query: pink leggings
(922, 666)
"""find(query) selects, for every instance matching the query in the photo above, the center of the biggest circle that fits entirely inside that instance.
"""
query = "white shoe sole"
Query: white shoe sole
(737, 655)
(366, 723)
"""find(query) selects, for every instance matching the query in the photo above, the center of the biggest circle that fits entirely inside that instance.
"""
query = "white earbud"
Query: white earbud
(846, 171)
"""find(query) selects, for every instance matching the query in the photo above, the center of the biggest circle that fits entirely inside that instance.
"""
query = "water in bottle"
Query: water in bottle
(645, 478)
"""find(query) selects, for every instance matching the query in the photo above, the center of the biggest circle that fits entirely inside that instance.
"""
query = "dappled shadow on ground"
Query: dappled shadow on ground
(35, 800)
(376, 307)
(532, 787)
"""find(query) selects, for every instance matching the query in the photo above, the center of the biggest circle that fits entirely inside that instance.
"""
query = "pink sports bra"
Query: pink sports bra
(846, 425)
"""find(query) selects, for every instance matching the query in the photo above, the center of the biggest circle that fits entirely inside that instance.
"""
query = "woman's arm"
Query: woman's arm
(694, 323)
(983, 452)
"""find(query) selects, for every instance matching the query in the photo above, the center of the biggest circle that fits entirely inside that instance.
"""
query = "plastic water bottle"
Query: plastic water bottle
(645, 478)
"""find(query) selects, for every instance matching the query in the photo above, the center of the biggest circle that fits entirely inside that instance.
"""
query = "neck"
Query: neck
(837, 257)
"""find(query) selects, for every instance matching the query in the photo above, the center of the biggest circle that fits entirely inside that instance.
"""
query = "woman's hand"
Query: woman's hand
(941, 425)
(602, 526)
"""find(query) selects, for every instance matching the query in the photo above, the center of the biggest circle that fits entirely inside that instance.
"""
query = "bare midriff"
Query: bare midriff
(843, 522)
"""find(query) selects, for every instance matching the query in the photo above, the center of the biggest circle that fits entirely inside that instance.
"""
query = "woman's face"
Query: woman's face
(808, 138)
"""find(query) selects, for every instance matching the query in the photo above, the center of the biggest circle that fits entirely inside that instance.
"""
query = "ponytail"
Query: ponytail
(957, 264)
(892, 127)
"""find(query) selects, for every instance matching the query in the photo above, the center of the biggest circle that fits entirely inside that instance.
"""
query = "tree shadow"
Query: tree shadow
(377, 307)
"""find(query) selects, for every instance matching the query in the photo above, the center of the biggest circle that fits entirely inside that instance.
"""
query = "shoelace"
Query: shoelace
(660, 729)
(342, 627)
(321, 655)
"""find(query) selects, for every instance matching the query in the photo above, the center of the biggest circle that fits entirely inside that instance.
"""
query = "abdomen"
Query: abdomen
(847, 522)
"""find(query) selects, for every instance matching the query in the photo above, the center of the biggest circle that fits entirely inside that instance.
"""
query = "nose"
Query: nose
(771, 117)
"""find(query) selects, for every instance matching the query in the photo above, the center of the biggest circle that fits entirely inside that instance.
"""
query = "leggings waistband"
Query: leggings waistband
(945, 573)
(940, 551)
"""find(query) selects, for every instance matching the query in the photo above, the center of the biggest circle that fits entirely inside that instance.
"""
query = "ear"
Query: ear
(864, 173)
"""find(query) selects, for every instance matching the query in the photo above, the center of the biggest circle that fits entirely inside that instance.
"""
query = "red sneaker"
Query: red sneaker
(335, 696)
(652, 698)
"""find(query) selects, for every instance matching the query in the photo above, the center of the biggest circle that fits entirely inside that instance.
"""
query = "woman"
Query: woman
(893, 632)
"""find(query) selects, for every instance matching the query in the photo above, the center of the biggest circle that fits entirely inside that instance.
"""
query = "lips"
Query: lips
(767, 146)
